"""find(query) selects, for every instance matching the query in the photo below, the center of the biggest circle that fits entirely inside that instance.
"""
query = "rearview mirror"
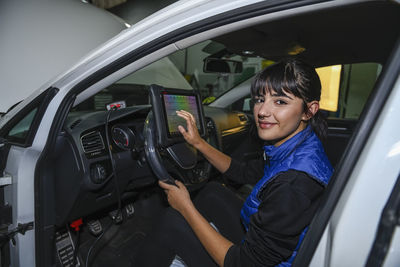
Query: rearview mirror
(212, 65)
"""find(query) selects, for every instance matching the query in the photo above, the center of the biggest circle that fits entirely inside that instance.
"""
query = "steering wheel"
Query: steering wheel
(184, 155)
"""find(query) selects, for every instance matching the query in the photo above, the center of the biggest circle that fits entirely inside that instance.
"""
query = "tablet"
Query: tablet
(165, 102)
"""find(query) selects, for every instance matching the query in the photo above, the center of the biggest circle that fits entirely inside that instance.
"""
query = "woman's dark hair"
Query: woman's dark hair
(298, 78)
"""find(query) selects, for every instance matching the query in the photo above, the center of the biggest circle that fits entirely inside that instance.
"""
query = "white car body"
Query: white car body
(350, 232)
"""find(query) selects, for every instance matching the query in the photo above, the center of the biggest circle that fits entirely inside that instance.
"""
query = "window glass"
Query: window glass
(345, 89)
(162, 72)
(183, 69)
(211, 85)
(20, 131)
(133, 89)
(330, 82)
(357, 82)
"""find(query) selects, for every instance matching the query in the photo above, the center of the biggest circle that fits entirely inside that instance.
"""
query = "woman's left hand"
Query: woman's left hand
(178, 196)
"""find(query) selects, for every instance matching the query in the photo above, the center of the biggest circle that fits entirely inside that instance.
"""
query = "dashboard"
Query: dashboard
(84, 173)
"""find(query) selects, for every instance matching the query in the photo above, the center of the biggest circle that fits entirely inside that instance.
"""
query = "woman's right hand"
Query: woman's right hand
(191, 135)
(218, 159)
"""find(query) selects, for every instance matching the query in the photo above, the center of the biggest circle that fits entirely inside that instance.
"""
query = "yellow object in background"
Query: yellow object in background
(330, 82)
(209, 100)
(265, 63)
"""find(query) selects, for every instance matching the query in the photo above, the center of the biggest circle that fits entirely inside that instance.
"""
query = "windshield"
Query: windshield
(224, 79)
(190, 68)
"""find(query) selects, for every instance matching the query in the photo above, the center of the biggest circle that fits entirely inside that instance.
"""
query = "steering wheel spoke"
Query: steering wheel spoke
(178, 161)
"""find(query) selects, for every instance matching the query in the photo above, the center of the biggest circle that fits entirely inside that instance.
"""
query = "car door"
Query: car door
(19, 157)
(348, 229)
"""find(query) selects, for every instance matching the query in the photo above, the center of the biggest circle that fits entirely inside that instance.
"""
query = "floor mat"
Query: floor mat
(118, 243)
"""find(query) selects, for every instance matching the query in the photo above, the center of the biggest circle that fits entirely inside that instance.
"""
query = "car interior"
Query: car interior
(102, 197)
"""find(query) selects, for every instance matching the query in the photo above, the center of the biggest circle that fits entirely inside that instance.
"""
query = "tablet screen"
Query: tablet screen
(174, 102)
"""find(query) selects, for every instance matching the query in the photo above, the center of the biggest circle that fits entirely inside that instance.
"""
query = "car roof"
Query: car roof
(360, 32)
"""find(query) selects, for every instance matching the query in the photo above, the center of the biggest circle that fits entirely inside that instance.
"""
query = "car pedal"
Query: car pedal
(116, 216)
(95, 227)
(65, 249)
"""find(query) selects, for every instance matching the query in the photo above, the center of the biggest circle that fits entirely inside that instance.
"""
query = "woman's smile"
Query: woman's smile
(266, 125)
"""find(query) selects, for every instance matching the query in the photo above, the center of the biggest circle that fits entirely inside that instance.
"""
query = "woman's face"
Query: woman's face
(278, 118)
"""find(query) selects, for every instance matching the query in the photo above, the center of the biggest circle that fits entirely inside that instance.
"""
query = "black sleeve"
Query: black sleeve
(288, 204)
(246, 172)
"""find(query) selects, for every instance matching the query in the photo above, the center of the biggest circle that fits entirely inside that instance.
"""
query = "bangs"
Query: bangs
(278, 79)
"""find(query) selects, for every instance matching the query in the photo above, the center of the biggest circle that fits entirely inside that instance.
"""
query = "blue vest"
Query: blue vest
(303, 152)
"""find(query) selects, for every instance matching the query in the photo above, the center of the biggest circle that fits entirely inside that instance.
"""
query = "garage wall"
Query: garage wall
(133, 11)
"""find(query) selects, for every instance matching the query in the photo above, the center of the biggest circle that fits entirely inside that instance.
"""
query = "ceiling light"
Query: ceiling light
(248, 52)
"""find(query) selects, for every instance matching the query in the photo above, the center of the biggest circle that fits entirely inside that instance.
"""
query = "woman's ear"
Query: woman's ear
(312, 108)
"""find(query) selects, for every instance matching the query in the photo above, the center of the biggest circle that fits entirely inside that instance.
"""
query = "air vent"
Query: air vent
(242, 117)
(75, 123)
(92, 142)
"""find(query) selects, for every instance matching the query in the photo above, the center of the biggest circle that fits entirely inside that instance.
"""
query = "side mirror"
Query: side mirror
(213, 65)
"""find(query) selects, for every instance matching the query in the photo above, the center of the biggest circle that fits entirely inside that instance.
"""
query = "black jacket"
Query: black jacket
(287, 206)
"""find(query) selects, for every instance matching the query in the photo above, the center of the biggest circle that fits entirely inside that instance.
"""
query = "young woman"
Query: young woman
(275, 216)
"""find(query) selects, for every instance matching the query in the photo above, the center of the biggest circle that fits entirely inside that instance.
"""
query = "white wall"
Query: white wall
(133, 11)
